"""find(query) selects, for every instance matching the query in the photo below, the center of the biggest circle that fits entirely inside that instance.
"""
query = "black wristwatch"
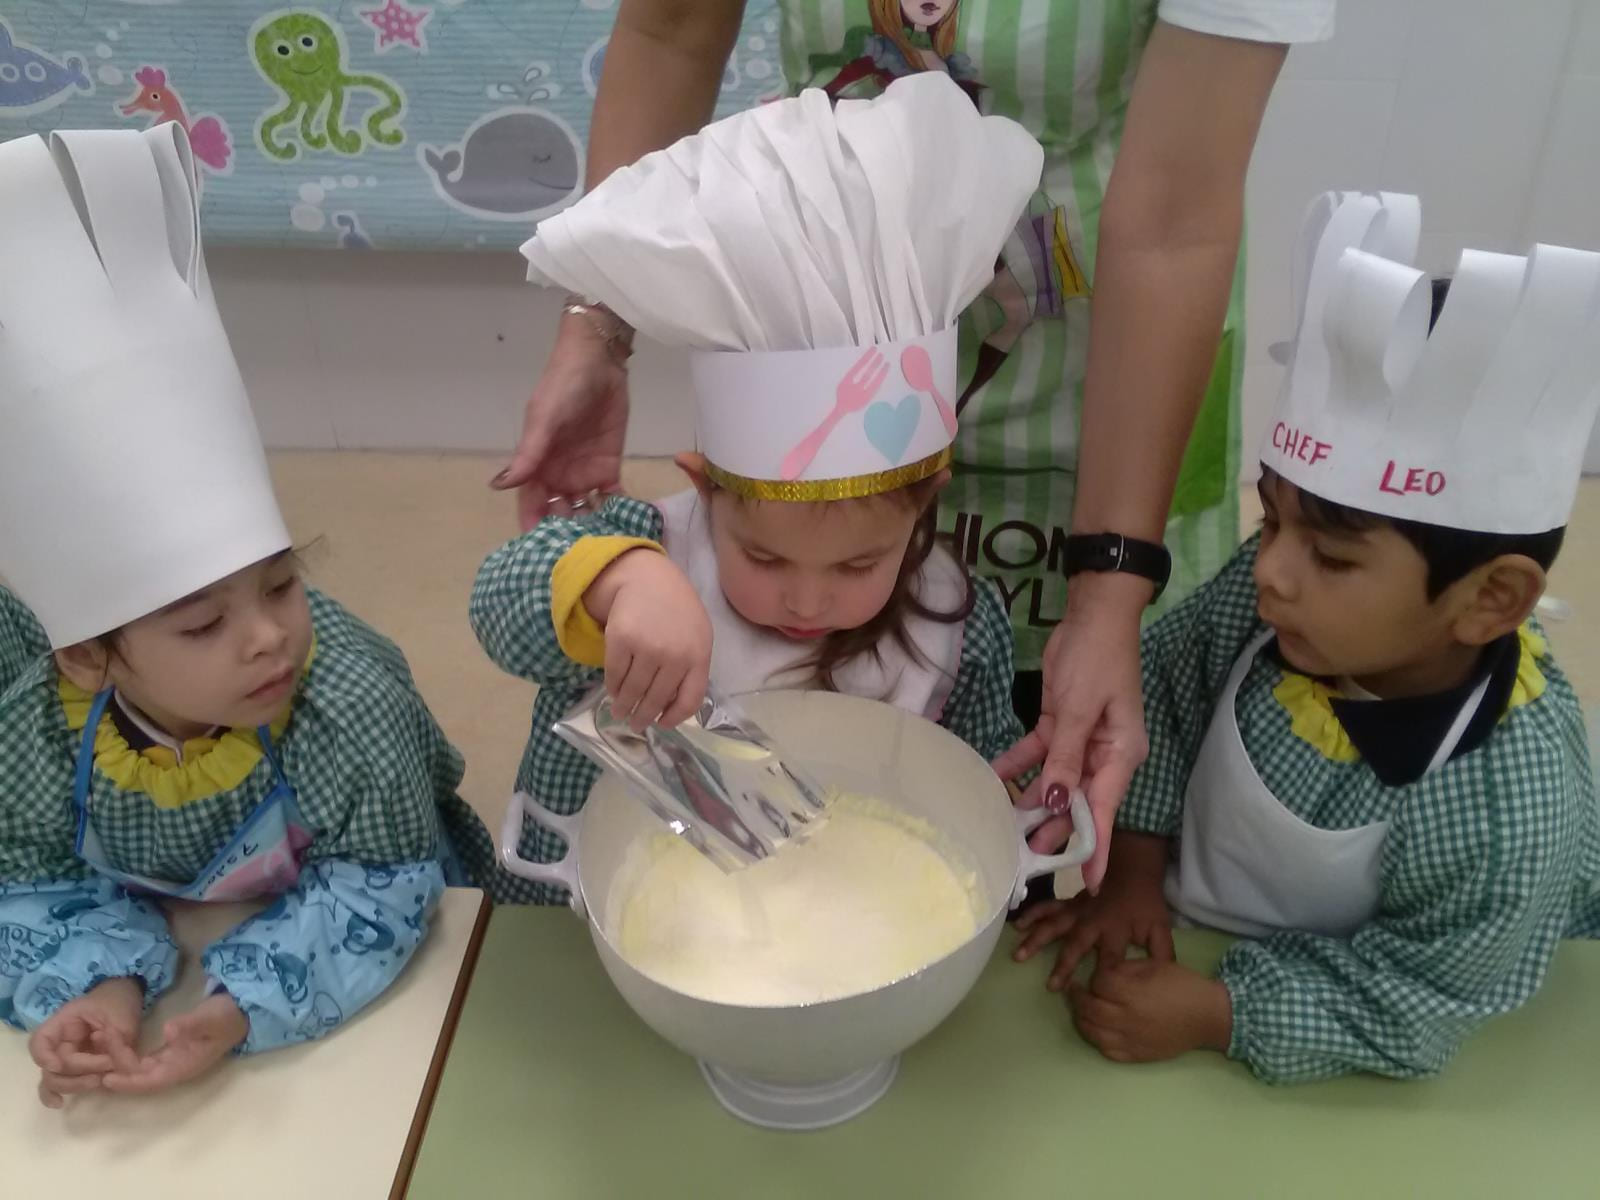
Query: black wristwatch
(1111, 552)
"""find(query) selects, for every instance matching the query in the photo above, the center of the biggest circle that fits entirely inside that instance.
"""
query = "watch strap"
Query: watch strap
(1113, 553)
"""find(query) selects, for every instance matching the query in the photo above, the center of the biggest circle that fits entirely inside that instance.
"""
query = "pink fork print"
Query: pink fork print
(854, 393)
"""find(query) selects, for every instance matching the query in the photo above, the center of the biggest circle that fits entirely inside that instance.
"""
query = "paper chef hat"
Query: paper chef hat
(815, 258)
(131, 473)
(1482, 425)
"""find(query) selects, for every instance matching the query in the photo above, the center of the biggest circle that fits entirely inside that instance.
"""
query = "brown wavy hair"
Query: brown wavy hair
(843, 645)
(889, 20)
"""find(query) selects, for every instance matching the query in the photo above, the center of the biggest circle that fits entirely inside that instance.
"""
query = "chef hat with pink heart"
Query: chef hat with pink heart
(1480, 425)
(815, 259)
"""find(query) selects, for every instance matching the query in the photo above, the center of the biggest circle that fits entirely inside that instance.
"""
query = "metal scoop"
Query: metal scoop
(717, 780)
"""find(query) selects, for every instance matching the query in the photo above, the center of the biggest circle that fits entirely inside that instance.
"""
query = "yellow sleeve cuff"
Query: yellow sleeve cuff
(581, 638)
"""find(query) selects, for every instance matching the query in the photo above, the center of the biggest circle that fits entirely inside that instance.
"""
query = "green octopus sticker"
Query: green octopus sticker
(304, 56)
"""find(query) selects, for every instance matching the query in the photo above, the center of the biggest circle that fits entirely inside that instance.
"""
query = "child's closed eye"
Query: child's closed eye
(203, 631)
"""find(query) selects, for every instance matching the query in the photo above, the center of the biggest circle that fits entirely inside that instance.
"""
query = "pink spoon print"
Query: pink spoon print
(854, 393)
(918, 370)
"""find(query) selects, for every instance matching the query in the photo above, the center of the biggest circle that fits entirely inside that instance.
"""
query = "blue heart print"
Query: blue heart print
(890, 427)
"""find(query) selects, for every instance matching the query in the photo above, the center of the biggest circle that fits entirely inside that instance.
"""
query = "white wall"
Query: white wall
(1489, 109)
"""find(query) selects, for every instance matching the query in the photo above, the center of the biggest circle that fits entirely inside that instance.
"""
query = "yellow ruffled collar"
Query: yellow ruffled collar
(1311, 717)
(210, 765)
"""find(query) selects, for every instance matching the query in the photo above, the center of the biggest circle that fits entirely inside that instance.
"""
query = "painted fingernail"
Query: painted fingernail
(499, 480)
(1057, 799)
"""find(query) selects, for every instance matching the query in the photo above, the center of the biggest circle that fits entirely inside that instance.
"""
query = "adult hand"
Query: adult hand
(1091, 726)
(572, 432)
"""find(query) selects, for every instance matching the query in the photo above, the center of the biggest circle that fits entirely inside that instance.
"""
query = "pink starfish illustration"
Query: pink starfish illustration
(396, 24)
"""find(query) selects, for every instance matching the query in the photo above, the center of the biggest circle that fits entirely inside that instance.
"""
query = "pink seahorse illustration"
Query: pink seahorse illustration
(207, 134)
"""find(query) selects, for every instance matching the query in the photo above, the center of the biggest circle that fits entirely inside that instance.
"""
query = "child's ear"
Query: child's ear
(1503, 597)
(694, 466)
(85, 665)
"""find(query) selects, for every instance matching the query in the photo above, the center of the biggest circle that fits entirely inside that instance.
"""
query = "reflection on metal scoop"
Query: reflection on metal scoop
(717, 780)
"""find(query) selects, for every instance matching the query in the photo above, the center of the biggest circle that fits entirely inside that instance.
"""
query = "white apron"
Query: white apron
(745, 658)
(1247, 865)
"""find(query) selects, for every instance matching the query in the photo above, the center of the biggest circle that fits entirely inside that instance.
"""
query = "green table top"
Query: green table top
(555, 1088)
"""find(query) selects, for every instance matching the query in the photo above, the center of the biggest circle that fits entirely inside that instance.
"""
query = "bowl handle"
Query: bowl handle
(561, 873)
(1077, 851)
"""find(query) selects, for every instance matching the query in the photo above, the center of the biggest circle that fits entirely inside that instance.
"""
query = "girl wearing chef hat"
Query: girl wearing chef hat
(815, 260)
(206, 728)
(1363, 757)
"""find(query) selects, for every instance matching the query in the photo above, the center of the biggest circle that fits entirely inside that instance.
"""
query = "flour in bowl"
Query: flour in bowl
(866, 899)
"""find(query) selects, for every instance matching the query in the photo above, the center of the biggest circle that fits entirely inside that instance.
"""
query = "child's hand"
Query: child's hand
(1146, 1011)
(85, 1038)
(658, 639)
(192, 1044)
(1131, 910)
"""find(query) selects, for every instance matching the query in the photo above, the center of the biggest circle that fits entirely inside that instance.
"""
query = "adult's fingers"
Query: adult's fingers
(1105, 790)
(1023, 757)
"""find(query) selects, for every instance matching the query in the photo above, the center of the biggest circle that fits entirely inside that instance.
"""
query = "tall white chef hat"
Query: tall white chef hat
(1479, 426)
(131, 473)
(815, 258)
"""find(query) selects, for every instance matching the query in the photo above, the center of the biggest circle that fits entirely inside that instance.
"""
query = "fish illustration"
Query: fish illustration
(31, 81)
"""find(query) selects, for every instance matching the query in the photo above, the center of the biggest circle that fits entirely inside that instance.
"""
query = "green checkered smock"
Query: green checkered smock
(374, 776)
(511, 614)
(1488, 861)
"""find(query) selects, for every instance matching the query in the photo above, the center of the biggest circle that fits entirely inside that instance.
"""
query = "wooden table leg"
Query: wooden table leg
(441, 1052)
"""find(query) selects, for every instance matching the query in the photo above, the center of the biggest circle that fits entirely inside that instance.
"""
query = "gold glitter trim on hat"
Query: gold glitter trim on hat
(854, 487)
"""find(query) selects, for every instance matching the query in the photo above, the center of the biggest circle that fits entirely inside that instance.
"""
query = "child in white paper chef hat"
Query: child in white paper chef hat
(206, 727)
(815, 260)
(1363, 757)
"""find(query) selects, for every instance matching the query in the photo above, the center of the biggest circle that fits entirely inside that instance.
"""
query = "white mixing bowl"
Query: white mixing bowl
(807, 1066)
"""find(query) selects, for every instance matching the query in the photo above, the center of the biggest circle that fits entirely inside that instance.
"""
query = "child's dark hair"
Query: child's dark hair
(1451, 554)
(843, 645)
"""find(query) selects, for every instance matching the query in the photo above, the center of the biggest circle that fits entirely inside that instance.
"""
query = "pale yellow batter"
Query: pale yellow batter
(865, 900)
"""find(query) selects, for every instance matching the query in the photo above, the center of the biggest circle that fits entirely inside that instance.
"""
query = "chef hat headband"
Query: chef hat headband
(815, 259)
(131, 473)
(1480, 426)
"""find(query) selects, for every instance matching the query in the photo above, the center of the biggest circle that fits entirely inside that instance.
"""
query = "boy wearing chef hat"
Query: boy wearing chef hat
(206, 727)
(815, 260)
(1364, 759)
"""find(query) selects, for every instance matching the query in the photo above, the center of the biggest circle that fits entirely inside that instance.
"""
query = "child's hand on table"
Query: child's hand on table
(1131, 910)
(191, 1045)
(1149, 1010)
(85, 1038)
(658, 638)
